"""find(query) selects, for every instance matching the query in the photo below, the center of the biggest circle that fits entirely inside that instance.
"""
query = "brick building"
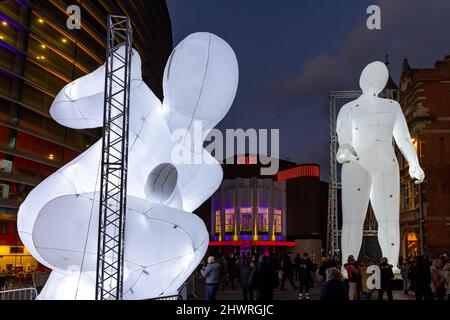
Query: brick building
(424, 95)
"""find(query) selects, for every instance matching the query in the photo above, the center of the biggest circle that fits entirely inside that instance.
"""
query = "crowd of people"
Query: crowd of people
(258, 276)
(427, 280)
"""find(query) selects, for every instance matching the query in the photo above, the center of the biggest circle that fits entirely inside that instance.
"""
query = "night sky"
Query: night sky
(291, 53)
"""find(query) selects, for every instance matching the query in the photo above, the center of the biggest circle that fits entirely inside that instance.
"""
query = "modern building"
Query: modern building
(38, 56)
(424, 95)
(255, 213)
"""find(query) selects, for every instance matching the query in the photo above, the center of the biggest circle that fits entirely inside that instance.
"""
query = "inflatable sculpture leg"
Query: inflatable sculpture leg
(385, 202)
(355, 199)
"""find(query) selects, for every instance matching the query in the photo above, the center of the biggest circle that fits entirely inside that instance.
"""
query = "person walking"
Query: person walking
(437, 280)
(367, 293)
(211, 273)
(304, 276)
(263, 280)
(244, 276)
(232, 270)
(446, 273)
(288, 272)
(386, 276)
(404, 273)
(422, 278)
(333, 289)
(296, 266)
(353, 273)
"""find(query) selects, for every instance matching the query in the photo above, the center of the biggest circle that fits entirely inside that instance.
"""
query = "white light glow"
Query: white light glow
(164, 240)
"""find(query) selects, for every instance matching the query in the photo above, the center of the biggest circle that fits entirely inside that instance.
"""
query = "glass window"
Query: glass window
(31, 169)
(4, 190)
(12, 9)
(79, 140)
(217, 222)
(37, 74)
(229, 220)
(40, 124)
(36, 98)
(49, 58)
(7, 59)
(69, 155)
(6, 85)
(40, 147)
(52, 35)
(5, 110)
(246, 219)
(9, 34)
(5, 166)
(277, 221)
(263, 220)
(3, 227)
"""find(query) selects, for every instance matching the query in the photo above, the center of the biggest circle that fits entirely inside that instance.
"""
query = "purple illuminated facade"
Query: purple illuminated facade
(249, 209)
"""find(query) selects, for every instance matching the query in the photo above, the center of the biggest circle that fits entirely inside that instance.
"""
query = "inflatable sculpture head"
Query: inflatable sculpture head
(374, 78)
(164, 242)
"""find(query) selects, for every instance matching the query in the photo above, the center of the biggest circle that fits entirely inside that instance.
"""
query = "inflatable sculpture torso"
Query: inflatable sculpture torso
(370, 170)
(164, 240)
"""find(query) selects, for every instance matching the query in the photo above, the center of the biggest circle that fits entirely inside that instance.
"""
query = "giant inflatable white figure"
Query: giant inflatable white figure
(370, 170)
(164, 241)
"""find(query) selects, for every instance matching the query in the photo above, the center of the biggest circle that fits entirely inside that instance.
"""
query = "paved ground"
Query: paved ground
(287, 294)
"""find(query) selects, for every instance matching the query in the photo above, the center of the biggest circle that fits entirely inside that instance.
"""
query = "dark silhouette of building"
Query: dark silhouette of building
(38, 56)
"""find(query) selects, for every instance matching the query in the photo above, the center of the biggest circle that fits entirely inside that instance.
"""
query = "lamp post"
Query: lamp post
(419, 147)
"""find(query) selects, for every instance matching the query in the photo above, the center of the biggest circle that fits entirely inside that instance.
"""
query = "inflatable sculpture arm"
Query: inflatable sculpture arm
(79, 104)
(346, 153)
(404, 143)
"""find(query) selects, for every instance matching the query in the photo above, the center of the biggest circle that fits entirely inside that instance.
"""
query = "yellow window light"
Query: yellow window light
(4, 23)
(40, 20)
(43, 46)
(64, 40)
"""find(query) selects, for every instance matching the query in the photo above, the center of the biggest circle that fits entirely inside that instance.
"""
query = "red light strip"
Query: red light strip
(300, 171)
(254, 243)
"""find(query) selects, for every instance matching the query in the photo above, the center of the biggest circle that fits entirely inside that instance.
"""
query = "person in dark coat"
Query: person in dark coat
(304, 276)
(333, 289)
(386, 276)
(296, 266)
(263, 280)
(421, 274)
(244, 276)
(288, 272)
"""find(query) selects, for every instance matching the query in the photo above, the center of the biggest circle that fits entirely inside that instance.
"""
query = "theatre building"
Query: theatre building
(254, 213)
(39, 55)
(424, 94)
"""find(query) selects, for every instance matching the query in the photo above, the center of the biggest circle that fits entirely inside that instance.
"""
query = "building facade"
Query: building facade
(38, 56)
(254, 213)
(424, 95)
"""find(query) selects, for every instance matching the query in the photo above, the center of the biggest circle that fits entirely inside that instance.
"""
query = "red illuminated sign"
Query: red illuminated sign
(300, 171)
(254, 243)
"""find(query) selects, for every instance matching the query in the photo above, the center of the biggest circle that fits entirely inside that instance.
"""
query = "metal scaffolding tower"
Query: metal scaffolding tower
(333, 232)
(113, 187)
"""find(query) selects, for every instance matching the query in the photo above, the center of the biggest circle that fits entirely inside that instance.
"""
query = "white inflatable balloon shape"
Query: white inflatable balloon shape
(164, 240)
(370, 170)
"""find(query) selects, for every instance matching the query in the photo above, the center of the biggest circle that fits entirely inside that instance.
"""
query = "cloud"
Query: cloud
(409, 28)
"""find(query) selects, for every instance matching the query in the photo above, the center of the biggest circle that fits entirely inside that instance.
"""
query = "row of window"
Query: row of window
(246, 221)
(20, 141)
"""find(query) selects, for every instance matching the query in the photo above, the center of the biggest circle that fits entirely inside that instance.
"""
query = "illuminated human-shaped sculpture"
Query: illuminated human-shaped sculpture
(370, 170)
(164, 241)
